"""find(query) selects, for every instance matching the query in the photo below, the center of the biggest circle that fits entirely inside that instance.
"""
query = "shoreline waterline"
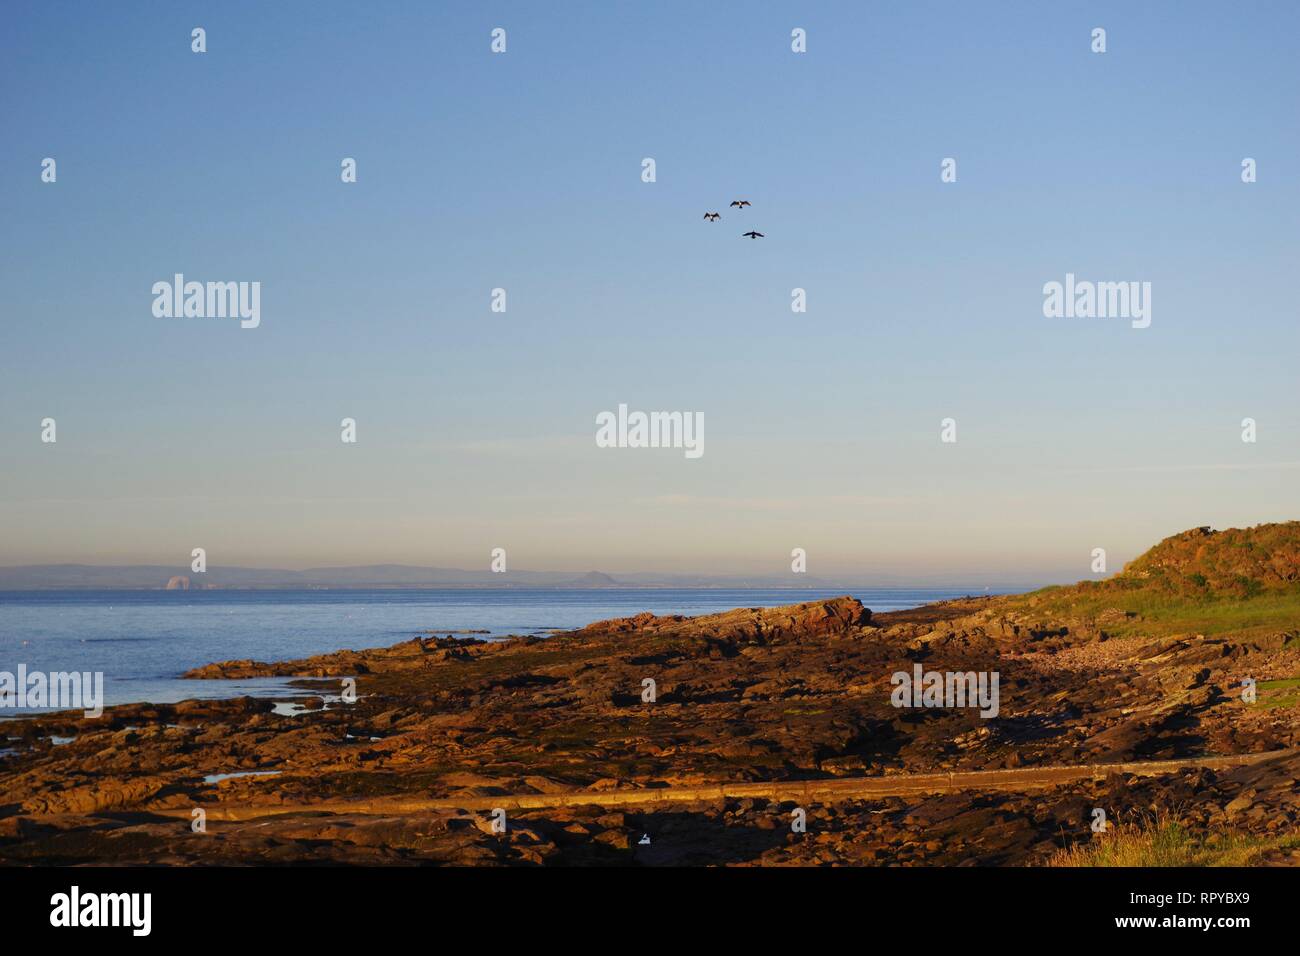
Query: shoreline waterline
(143, 641)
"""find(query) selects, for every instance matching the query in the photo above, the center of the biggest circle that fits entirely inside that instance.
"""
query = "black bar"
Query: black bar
(638, 906)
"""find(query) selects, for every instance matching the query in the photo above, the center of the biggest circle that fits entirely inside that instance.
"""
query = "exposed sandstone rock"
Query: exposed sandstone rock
(781, 694)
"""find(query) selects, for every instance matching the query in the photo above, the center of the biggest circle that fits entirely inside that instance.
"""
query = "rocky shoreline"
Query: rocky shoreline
(799, 693)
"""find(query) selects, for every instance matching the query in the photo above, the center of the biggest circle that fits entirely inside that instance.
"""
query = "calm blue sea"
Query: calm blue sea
(144, 640)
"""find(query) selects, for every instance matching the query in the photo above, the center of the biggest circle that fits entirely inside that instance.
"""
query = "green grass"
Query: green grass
(1278, 693)
(1160, 614)
(1168, 843)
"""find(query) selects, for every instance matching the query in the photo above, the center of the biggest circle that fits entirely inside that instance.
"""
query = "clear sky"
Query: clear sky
(522, 170)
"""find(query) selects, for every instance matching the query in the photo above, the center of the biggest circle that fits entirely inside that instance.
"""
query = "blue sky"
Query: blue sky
(522, 171)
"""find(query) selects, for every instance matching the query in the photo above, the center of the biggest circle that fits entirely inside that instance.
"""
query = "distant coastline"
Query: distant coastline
(81, 577)
(505, 586)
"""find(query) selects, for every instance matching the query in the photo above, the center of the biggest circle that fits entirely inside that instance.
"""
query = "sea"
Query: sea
(142, 641)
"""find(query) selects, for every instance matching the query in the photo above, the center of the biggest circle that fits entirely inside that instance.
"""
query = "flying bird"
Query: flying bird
(755, 235)
(739, 203)
(712, 216)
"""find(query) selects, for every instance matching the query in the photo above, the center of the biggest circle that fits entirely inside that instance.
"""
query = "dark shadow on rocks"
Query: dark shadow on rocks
(695, 839)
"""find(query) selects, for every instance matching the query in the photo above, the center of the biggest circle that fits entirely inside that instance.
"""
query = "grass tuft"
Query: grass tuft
(1164, 841)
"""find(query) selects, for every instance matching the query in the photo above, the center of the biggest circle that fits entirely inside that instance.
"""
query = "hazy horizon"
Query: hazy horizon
(475, 171)
(224, 577)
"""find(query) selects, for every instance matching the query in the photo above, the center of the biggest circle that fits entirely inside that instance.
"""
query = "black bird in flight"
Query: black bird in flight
(755, 235)
(712, 216)
(740, 203)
